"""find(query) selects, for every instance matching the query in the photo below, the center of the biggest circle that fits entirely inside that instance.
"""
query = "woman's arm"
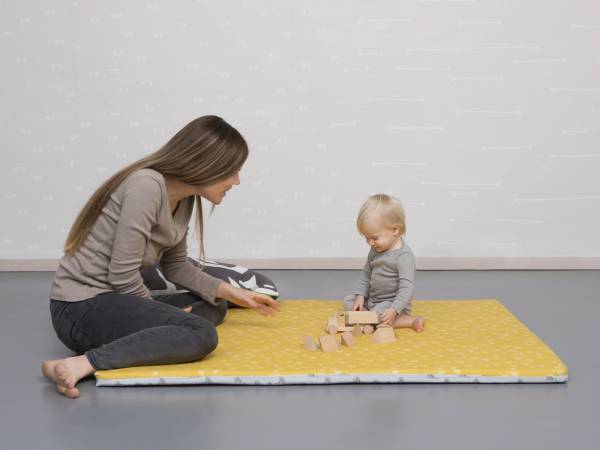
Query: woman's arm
(262, 304)
(177, 268)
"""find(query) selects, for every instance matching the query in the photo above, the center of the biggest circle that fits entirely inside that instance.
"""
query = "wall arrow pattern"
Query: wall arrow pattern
(481, 116)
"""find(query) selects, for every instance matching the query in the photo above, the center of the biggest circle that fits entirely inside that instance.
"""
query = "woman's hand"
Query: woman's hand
(388, 316)
(262, 304)
(359, 303)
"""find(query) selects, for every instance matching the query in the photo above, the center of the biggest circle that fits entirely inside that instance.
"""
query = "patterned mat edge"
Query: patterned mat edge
(330, 379)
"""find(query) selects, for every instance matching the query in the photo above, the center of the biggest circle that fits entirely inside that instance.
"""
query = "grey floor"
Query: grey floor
(560, 307)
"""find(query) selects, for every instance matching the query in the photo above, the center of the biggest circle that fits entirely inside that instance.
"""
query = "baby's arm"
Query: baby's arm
(406, 282)
(359, 303)
(362, 287)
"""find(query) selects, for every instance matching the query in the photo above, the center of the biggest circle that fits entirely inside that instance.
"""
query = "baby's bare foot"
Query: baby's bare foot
(418, 324)
(66, 373)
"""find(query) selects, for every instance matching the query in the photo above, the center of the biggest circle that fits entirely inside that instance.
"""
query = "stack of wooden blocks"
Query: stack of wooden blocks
(352, 325)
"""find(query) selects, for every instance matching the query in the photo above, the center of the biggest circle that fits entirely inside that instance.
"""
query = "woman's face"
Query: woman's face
(215, 192)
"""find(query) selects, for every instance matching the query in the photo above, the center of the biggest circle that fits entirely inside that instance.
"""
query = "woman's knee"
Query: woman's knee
(204, 338)
(220, 312)
(215, 314)
(212, 339)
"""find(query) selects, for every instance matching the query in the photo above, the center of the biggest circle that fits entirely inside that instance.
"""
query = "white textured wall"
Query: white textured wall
(482, 116)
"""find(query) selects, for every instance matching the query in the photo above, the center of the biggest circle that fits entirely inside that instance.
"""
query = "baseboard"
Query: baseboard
(423, 263)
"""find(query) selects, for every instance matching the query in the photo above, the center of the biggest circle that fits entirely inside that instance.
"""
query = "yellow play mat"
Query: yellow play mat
(465, 341)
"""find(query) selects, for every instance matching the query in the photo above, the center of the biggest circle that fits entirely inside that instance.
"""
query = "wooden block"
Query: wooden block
(356, 331)
(331, 326)
(308, 343)
(328, 343)
(367, 329)
(384, 335)
(354, 317)
(347, 339)
(341, 318)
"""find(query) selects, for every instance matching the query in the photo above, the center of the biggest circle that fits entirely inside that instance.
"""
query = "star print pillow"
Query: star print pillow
(237, 276)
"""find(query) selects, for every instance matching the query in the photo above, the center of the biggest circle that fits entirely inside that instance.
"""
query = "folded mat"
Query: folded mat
(465, 341)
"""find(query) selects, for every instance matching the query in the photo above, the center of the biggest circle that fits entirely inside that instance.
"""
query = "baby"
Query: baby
(387, 279)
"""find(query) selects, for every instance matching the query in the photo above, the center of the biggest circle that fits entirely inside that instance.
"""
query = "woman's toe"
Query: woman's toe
(72, 392)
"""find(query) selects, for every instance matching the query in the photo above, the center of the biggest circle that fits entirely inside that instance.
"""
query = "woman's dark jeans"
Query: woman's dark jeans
(118, 330)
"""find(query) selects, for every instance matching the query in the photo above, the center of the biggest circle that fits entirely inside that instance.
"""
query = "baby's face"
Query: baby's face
(378, 236)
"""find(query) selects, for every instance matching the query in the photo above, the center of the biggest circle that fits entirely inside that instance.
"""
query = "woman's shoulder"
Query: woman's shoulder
(145, 187)
(144, 174)
(144, 180)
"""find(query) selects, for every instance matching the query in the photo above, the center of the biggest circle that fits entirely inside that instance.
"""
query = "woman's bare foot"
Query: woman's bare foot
(417, 323)
(67, 372)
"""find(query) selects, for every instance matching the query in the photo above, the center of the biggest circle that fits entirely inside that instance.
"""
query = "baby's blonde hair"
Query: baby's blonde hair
(384, 207)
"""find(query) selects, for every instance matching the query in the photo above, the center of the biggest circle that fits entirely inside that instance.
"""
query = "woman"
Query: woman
(99, 305)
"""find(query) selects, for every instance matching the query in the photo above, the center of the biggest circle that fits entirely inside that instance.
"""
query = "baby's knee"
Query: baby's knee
(380, 308)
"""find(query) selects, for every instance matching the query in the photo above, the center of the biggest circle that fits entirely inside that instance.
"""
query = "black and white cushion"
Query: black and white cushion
(235, 275)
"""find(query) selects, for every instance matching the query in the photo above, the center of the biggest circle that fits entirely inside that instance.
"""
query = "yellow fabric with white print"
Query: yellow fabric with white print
(461, 337)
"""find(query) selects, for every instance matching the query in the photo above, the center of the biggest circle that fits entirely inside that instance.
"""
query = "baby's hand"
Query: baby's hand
(388, 316)
(359, 303)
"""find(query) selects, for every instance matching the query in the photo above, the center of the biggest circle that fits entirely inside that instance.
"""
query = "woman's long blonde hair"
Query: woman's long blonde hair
(206, 150)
